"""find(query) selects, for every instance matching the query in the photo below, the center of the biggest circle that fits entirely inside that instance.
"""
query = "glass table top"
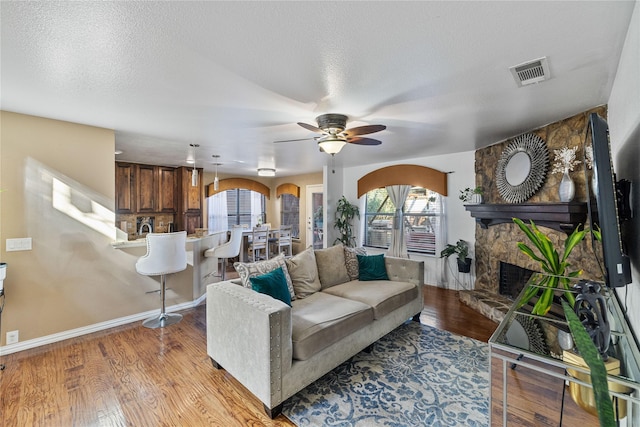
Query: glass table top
(531, 328)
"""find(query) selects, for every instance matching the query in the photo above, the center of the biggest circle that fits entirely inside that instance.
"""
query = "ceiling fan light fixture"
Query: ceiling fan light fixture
(266, 172)
(331, 145)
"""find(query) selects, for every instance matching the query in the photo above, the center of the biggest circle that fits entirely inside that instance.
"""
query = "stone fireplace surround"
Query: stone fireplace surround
(497, 243)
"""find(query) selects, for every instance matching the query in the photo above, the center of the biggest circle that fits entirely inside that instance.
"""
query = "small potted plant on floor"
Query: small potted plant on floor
(462, 249)
(471, 196)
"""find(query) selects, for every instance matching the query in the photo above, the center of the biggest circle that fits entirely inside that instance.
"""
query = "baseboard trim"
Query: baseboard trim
(96, 327)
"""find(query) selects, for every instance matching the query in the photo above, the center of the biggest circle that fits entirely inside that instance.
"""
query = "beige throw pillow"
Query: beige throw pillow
(332, 269)
(304, 273)
(253, 269)
(351, 261)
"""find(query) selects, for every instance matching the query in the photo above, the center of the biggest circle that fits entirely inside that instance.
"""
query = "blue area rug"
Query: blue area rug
(415, 376)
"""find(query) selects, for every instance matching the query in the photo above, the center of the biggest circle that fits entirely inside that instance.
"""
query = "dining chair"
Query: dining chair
(259, 244)
(284, 242)
(166, 254)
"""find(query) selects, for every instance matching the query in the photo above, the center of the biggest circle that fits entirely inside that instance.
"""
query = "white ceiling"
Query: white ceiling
(236, 76)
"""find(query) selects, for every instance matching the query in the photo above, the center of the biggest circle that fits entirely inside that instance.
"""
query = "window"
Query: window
(290, 213)
(243, 207)
(422, 219)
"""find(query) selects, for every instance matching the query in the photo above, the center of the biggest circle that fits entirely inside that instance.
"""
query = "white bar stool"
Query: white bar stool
(166, 254)
(227, 250)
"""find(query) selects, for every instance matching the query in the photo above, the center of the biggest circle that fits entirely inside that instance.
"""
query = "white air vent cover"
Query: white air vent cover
(531, 72)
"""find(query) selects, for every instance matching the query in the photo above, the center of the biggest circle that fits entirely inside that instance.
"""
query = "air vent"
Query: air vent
(531, 72)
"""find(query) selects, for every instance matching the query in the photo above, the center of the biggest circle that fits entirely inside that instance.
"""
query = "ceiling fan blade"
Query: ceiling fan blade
(363, 141)
(310, 127)
(295, 140)
(362, 130)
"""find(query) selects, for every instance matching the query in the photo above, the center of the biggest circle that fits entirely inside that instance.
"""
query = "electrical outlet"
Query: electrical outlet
(12, 337)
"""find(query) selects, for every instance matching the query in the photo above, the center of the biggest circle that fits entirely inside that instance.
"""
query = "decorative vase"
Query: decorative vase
(594, 185)
(565, 340)
(567, 188)
(476, 199)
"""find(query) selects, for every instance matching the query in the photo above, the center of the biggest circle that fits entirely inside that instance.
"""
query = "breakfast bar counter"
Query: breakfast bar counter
(189, 284)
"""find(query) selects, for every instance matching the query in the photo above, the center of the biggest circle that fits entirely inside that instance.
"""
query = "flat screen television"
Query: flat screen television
(603, 202)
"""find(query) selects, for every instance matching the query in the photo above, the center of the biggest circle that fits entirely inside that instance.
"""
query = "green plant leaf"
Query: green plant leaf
(571, 242)
(529, 252)
(593, 359)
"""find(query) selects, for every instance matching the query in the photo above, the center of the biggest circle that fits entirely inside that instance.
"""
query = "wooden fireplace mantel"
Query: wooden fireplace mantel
(558, 216)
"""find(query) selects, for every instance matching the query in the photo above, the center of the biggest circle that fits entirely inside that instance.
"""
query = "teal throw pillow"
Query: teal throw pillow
(372, 267)
(273, 284)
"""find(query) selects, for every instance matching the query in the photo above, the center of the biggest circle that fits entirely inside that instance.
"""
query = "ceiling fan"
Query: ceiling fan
(335, 135)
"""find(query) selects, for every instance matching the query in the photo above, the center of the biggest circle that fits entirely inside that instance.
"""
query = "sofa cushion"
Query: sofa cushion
(383, 295)
(321, 320)
(273, 284)
(252, 269)
(332, 269)
(372, 267)
(304, 273)
(351, 261)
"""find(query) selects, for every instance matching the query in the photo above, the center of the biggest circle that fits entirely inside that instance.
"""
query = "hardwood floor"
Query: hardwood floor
(134, 376)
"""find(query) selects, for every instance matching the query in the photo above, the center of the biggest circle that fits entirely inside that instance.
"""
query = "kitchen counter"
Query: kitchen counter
(189, 284)
(119, 244)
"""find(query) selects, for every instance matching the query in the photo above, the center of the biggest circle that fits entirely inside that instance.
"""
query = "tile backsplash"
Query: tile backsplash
(131, 224)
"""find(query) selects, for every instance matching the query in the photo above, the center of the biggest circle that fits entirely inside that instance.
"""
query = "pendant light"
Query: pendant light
(194, 175)
(216, 181)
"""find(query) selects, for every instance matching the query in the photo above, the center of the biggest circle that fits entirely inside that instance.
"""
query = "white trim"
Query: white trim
(72, 333)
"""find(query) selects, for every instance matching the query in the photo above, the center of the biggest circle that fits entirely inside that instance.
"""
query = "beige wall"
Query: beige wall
(58, 188)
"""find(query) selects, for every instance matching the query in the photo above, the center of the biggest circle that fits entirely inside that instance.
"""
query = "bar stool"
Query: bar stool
(166, 254)
(230, 249)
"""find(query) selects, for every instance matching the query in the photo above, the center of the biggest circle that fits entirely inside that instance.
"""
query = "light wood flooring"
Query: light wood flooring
(134, 376)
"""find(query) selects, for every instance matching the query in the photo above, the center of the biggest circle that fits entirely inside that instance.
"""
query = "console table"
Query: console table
(529, 371)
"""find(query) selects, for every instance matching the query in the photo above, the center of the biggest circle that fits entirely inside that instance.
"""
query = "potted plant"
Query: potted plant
(471, 195)
(462, 249)
(345, 212)
(552, 263)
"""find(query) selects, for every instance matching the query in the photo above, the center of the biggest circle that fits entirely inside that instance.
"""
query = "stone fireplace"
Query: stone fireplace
(496, 244)
(512, 279)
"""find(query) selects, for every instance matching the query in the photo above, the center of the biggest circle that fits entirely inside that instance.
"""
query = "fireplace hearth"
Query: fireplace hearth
(495, 304)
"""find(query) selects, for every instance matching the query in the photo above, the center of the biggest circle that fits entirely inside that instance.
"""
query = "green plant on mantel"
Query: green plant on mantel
(555, 266)
(598, 372)
(345, 212)
(466, 195)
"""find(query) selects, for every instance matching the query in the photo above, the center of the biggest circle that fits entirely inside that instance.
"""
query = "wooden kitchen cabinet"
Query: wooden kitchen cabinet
(125, 188)
(147, 183)
(189, 216)
(149, 189)
(167, 199)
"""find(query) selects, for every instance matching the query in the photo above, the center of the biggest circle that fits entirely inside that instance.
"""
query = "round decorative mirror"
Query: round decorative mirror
(518, 168)
(522, 168)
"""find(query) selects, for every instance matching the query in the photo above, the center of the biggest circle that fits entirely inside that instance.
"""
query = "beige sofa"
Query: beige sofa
(276, 350)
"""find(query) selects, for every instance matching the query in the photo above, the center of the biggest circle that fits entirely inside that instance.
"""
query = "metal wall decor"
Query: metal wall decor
(522, 168)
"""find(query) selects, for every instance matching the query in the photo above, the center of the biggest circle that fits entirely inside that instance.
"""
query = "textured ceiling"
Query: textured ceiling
(236, 76)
